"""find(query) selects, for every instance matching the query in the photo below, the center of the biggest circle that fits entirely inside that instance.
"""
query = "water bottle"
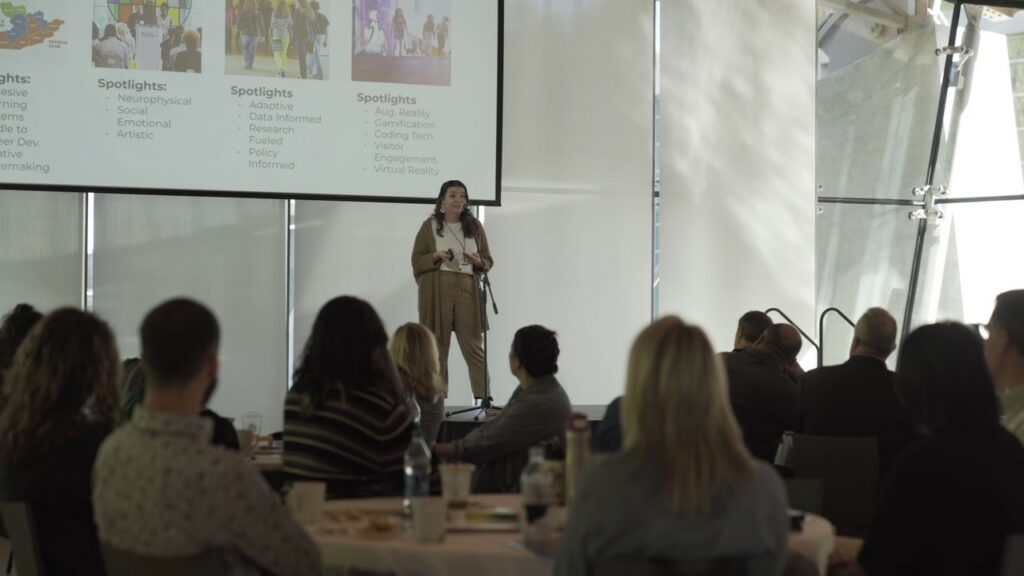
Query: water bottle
(538, 493)
(417, 468)
(577, 454)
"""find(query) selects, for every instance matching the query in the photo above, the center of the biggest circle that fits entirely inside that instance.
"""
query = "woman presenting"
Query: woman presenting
(448, 257)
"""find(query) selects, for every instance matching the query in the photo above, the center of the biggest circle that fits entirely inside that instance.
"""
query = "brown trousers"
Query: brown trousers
(458, 314)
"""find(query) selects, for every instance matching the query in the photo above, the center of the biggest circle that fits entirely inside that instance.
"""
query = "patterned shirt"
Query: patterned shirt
(161, 489)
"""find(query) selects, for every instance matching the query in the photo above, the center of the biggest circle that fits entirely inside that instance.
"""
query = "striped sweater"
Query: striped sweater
(358, 439)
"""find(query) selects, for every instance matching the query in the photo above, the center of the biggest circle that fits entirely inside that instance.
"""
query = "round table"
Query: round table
(466, 553)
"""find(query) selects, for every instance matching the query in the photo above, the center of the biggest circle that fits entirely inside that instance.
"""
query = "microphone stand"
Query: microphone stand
(485, 402)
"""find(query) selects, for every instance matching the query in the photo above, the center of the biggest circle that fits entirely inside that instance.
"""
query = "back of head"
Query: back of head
(191, 39)
(178, 338)
(15, 328)
(782, 340)
(752, 325)
(942, 377)
(347, 348)
(1009, 315)
(64, 374)
(676, 415)
(414, 351)
(537, 348)
(876, 332)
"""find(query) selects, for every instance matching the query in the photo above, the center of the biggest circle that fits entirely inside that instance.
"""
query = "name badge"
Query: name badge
(465, 266)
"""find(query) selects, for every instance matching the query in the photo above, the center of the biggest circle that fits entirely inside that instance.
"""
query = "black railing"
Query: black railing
(799, 329)
(821, 329)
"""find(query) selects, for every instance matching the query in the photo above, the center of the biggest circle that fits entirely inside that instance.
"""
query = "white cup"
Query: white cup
(306, 501)
(428, 519)
(456, 480)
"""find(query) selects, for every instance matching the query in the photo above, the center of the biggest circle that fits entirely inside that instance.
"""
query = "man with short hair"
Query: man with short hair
(749, 329)
(161, 489)
(537, 412)
(1004, 353)
(762, 389)
(858, 397)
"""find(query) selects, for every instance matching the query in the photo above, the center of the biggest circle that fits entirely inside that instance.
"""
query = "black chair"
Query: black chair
(848, 470)
(123, 563)
(21, 528)
(805, 494)
(653, 567)
(1013, 556)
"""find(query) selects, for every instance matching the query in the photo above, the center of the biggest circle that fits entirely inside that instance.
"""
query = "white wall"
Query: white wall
(40, 249)
(227, 253)
(738, 166)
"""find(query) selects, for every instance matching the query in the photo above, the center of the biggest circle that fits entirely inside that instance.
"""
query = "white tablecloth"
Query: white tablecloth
(474, 553)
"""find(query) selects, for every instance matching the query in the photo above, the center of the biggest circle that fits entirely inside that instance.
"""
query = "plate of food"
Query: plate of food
(484, 519)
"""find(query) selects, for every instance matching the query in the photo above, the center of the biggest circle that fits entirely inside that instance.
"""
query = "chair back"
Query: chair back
(636, 567)
(805, 494)
(1013, 555)
(848, 470)
(21, 528)
(124, 563)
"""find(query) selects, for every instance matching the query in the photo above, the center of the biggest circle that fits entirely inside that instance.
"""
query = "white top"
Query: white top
(454, 240)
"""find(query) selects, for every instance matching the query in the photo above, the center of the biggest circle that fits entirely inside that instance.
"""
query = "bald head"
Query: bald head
(783, 341)
(874, 335)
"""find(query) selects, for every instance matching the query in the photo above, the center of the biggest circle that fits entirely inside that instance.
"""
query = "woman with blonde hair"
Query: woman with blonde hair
(687, 494)
(414, 350)
(62, 402)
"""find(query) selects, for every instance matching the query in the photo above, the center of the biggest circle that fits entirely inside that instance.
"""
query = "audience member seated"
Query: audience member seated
(133, 393)
(608, 436)
(414, 351)
(110, 51)
(749, 329)
(161, 488)
(1004, 352)
(14, 329)
(189, 58)
(62, 403)
(684, 492)
(345, 418)
(951, 499)
(858, 397)
(536, 413)
(763, 389)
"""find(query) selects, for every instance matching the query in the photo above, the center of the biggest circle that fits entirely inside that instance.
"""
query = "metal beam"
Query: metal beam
(883, 17)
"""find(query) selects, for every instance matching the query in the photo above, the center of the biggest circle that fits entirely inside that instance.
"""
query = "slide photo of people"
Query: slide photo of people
(156, 35)
(285, 38)
(402, 41)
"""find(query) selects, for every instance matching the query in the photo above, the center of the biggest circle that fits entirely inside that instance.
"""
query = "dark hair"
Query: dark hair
(753, 324)
(314, 5)
(346, 349)
(64, 376)
(109, 31)
(783, 340)
(469, 222)
(16, 325)
(537, 348)
(942, 377)
(178, 337)
(95, 31)
(1009, 315)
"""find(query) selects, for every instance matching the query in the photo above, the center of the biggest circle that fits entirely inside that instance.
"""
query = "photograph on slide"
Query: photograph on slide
(402, 41)
(153, 35)
(283, 38)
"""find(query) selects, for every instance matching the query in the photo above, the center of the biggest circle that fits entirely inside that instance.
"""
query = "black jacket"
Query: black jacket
(764, 399)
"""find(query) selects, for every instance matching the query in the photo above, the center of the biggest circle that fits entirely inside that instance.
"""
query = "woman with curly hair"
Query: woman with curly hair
(61, 403)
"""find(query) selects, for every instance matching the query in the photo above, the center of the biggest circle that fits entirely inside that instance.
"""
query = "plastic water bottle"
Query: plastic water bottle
(417, 468)
(538, 493)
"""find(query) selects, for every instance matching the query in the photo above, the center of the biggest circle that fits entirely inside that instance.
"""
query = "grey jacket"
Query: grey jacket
(533, 415)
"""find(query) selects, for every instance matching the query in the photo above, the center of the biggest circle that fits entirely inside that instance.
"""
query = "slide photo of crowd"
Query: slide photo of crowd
(285, 38)
(402, 41)
(156, 35)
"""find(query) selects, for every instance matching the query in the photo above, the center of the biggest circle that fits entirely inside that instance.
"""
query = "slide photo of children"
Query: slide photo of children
(156, 35)
(285, 38)
(402, 41)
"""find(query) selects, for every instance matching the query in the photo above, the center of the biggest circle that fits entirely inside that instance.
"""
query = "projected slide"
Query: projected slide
(381, 99)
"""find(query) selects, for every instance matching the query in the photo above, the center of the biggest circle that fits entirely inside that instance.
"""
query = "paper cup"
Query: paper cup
(429, 522)
(245, 441)
(456, 479)
(306, 501)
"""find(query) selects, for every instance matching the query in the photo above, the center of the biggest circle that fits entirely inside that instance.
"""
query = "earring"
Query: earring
(442, 209)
